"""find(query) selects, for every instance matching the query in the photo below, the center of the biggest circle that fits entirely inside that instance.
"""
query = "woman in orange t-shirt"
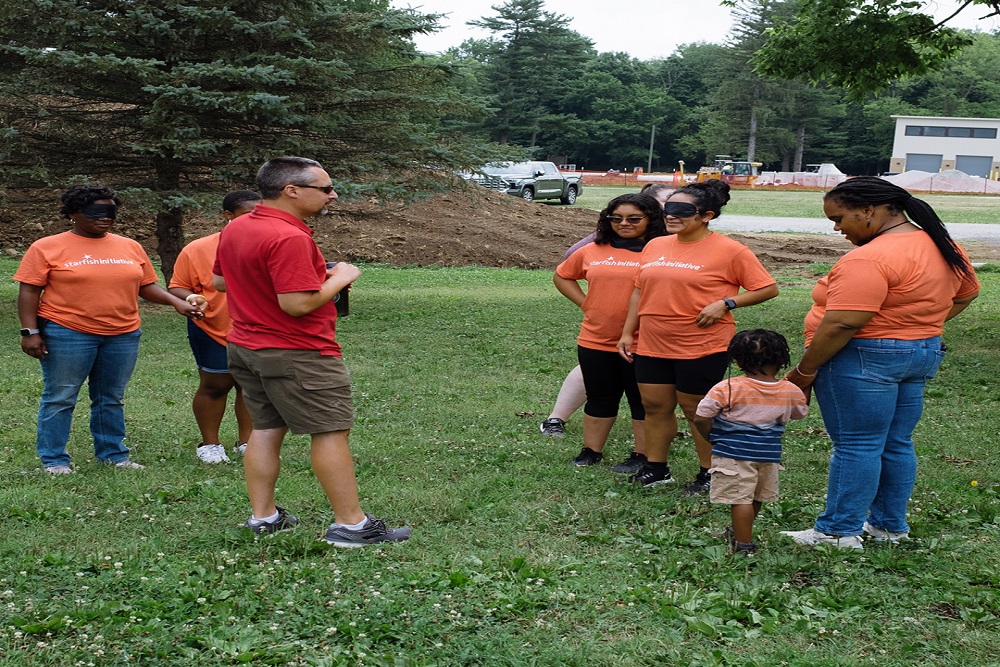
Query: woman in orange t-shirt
(609, 265)
(685, 289)
(192, 280)
(78, 303)
(873, 339)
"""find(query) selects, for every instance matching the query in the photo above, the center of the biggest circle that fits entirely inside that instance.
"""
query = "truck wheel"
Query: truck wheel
(528, 194)
(570, 197)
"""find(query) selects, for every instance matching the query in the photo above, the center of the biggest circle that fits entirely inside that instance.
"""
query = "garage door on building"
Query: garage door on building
(974, 165)
(923, 162)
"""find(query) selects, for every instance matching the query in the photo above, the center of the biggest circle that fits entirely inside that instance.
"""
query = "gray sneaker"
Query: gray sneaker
(58, 470)
(285, 521)
(373, 532)
(553, 427)
(129, 464)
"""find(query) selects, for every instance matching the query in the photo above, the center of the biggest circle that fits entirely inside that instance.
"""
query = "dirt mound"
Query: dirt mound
(468, 226)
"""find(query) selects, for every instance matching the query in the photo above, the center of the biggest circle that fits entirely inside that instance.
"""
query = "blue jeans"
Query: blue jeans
(871, 394)
(107, 362)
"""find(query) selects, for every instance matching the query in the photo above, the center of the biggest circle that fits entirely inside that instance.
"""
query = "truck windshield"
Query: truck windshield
(508, 170)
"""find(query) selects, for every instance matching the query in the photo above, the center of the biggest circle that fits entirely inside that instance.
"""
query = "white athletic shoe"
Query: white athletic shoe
(813, 537)
(58, 470)
(881, 535)
(240, 448)
(212, 454)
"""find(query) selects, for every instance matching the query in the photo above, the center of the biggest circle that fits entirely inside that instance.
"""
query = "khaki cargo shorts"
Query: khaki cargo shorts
(737, 482)
(301, 390)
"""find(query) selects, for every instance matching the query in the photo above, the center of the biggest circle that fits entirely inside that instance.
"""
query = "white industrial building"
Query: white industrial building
(937, 143)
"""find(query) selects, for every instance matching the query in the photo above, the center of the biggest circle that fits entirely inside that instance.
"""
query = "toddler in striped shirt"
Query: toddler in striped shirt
(744, 418)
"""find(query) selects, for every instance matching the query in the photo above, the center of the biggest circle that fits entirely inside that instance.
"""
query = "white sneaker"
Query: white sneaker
(130, 464)
(240, 448)
(58, 470)
(881, 535)
(212, 454)
(812, 537)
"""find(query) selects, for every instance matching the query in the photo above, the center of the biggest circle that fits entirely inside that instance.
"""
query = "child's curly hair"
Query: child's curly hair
(753, 349)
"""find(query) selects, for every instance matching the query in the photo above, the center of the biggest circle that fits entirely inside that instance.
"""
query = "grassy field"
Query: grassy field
(517, 557)
(802, 204)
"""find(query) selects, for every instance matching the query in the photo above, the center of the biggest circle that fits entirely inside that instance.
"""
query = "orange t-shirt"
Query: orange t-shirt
(89, 285)
(902, 278)
(193, 271)
(610, 275)
(677, 280)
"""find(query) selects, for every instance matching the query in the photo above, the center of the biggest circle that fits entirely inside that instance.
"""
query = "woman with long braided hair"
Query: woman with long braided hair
(873, 339)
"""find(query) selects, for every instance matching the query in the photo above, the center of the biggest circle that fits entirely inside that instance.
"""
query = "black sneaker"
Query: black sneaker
(373, 532)
(553, 427)
(285, 521)
(588, 457)
(701, 484)
(632, 464)
(652, 476)
(744, 548)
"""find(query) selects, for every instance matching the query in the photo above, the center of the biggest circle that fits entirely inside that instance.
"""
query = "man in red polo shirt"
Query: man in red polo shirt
(283, 352)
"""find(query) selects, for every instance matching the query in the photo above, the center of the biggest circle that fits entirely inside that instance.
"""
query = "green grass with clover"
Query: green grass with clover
(517, 558)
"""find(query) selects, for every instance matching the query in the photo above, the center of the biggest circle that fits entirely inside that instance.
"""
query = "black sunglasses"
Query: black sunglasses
(327, 189)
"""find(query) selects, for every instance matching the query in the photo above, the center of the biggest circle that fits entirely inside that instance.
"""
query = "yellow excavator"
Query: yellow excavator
(728, 170)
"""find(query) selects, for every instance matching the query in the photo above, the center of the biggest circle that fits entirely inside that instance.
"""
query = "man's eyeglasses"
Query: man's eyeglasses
(327, 189)
(632, 219)
(679, 209)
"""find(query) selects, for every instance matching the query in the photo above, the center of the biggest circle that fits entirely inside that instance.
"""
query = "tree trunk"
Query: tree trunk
(170, 240)
(169, 223)
(752, 139)
(800, 144)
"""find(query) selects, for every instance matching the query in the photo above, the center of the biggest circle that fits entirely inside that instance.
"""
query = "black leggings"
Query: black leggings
(606, 376)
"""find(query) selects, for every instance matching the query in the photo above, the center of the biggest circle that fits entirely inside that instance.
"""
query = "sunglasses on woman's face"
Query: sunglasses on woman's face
(677, 209)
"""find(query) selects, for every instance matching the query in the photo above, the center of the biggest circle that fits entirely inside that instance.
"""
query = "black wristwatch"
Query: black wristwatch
(730, 304)
(28, 332)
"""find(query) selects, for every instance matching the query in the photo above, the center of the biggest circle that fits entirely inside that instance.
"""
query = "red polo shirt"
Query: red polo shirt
(263, 254)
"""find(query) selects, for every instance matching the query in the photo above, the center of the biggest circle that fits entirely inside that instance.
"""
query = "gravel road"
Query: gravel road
(745, 223)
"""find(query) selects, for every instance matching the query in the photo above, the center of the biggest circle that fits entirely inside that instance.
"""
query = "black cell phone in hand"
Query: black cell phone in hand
(340, 300)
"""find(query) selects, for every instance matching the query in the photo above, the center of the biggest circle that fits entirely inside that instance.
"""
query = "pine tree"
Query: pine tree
(527, 66)
(174, 98)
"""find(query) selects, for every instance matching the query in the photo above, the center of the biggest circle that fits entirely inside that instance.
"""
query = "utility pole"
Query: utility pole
(649, 162)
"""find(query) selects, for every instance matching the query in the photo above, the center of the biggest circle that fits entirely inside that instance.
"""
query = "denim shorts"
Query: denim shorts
(208, 354)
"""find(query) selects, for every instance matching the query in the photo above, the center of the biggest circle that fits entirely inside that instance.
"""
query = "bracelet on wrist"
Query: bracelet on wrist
(803, 374)
(190, 296)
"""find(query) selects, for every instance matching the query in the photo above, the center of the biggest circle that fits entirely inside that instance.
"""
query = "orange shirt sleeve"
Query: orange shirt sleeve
(193, 271)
